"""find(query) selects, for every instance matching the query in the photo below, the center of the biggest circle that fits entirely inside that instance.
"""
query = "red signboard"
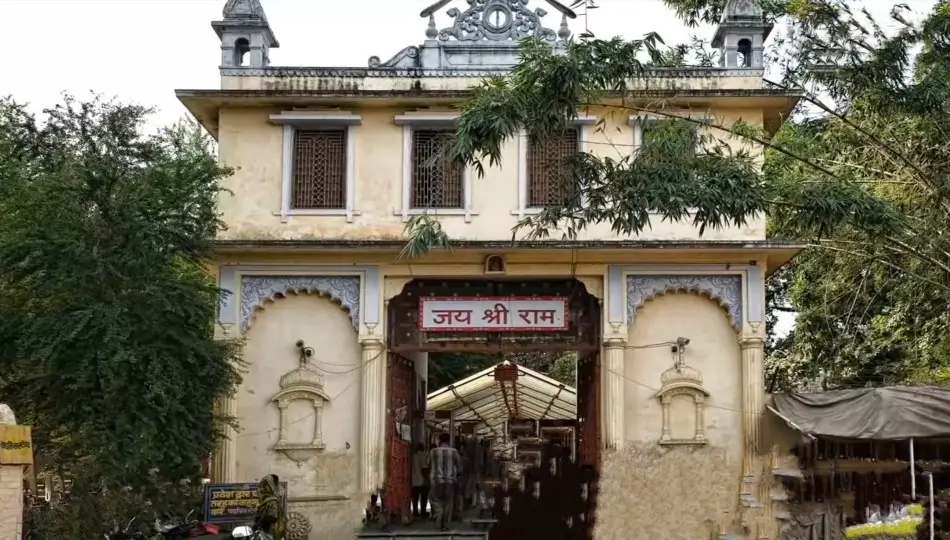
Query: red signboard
(493, 314)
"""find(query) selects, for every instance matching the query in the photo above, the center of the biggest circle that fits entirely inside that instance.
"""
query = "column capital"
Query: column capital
(615, 342)
(749, 342)
(371, 341)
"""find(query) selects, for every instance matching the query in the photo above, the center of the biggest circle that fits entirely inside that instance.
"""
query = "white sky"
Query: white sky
(142, 50)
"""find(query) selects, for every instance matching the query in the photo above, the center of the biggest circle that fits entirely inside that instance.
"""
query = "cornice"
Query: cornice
(382, 72)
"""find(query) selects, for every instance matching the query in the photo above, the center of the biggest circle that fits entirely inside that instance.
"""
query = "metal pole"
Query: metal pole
(930, 489)
(452, 429)
(913, 474)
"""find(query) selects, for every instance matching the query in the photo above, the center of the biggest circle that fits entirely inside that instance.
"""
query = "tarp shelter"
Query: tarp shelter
(481, 398)
(880, 414)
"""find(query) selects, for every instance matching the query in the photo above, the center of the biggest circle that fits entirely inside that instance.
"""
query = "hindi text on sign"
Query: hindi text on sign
(492, 314)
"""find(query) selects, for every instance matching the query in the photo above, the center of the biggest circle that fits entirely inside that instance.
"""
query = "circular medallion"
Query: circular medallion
(496, 19)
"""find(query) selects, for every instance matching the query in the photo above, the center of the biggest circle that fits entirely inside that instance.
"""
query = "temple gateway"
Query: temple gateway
(659, 435)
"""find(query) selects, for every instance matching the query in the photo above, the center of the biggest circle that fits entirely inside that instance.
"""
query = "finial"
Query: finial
(431, 31)
(564, 32)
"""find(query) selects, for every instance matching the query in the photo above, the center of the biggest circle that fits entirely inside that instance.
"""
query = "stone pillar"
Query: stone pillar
(225, 458)
(224, 462)
(753, 399)
(613, 393)
(371, 426)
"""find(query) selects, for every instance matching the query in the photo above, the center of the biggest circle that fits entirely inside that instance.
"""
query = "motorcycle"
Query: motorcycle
(125, 533)
(175, 529)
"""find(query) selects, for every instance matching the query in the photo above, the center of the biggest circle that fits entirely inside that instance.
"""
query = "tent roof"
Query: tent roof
(890, 413)
(480, 397)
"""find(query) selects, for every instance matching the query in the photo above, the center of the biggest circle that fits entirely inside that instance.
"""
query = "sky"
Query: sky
(143, 50)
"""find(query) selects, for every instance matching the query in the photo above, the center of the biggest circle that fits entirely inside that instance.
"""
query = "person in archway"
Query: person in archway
(445, 464)
(420, 482)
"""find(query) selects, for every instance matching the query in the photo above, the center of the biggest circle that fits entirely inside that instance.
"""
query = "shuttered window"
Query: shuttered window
(319, 174)
(437, 182)
(549, 175)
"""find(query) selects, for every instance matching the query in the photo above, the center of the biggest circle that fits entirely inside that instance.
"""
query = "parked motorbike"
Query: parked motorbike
(188, 528)
(125, 533)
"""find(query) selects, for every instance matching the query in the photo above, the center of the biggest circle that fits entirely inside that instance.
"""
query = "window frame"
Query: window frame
(410, 122)
(636, 121)
(582, 124)
(291, 121)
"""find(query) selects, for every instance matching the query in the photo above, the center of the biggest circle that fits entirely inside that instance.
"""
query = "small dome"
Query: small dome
(743, 10)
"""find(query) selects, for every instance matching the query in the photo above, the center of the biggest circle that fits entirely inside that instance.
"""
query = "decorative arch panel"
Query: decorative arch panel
(725, 290)
(257, 290)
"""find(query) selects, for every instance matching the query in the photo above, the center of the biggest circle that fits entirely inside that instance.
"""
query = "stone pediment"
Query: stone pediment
(485, 35)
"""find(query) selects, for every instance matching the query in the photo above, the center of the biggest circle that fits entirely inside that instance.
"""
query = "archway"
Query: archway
(554, 494)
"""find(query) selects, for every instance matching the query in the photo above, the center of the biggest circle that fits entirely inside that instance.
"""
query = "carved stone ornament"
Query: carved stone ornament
(256, 290)
(742, 10)
(497, 20)
(301, 384)
(683, 380)
(726, 290)
(244, 9)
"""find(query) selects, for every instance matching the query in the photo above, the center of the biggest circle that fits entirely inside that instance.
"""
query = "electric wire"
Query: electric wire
(384, 352)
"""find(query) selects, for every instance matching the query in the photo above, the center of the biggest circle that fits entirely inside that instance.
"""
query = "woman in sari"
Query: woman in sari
(270, 518)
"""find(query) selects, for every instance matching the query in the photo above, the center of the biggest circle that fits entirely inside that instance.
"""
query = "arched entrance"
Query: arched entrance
(555, 496)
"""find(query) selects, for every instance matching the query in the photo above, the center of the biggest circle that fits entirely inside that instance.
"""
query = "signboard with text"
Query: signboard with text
(230, 503)
(16, 445)
(493, 314)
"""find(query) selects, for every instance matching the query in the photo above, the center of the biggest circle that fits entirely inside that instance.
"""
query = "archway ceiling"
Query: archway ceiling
(480, 397)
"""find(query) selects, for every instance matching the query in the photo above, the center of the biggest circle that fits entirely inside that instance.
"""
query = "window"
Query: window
(679, 135)
(319, 169)
(549, 176)
(437, 182)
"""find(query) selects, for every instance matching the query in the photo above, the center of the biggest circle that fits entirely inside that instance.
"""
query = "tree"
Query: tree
(106, 307)
(861, 171)
(448, 368)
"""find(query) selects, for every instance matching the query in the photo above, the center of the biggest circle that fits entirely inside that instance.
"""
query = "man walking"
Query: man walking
(444, 467)
(420, 482)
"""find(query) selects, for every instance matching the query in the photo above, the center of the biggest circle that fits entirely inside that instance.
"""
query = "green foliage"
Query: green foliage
(85, 513)
(906, 528)
(861, 173)
(106, 307)
(447, 368)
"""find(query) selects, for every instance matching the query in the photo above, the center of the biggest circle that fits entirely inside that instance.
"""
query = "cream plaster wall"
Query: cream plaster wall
(253, 146)
(11, 502)
(325, 487)
(713, 350)
(676, 492)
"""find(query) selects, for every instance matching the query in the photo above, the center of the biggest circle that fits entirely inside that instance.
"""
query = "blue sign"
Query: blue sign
(234, 503)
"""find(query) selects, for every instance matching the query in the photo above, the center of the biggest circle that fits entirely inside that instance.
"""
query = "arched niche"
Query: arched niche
(683, 382)
(725, 290)
(302, 384)
(258, 290)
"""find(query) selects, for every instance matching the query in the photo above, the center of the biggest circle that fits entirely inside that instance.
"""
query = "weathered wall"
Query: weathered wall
(324, 487)
(252, 207)
(11, 501)
(676, 492)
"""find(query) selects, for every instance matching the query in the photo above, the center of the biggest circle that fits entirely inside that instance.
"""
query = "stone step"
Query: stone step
(433, 535)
